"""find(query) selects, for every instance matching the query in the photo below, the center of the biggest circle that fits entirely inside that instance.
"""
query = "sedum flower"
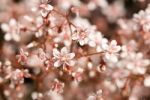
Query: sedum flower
(12, 30)
(17, 76)
(81, 37)
(142, 18)
(111, 50)
(137, 63)
(22, 57)
(58, 86)
(63, 57)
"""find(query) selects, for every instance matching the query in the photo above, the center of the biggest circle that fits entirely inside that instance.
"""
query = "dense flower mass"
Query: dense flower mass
(74, 49)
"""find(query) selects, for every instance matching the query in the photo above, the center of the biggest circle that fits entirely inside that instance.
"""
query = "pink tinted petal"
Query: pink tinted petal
(58, 63)
(107, 56)
(113, 43)
(12, 22)
(44, 13)
(92, 44)
(104, 44)
(81, 42)
(113, 58)
(49, 7)
(5, 27)
(70, 55)
(116, 49)
(75, 36)
(70, 62)
(56, 53)
(64, 51)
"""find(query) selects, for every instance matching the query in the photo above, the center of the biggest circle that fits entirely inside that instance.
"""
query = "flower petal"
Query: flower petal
(56, 53)
(49, 7)
(5, 27)
(113, 43)
(70, 63)
(70, 55)
(104, 44)
(113, 58)
(64, 51)
(58, 63)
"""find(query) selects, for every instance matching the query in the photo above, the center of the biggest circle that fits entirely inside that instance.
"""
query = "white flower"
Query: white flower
(137, 64)
(143, 19)
(12, 30)
(111, 50)
(63, 57)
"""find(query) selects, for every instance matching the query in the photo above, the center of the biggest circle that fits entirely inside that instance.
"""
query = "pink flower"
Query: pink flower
(22, 57)
(42, 54)
(81, 37)
(111, 50)
(63, 57)
(58, 86)
(17, 76)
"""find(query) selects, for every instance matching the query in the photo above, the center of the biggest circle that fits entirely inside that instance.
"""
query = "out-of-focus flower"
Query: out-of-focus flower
(77, 75)
(17, 76)
(54, 95)
(63, 57)
(64, 37)
(147, 81)
(36, 95)
(12, 30)
(57, 86)
(143, 19)
(96, 96)
(42, 54)
(22, 57)
(136, 63)
(95, 40)
(114, 10)
(130, 47)
(111, 50)
(45, 9)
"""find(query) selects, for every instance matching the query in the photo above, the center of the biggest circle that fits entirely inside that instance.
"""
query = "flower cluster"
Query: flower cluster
(74, 49)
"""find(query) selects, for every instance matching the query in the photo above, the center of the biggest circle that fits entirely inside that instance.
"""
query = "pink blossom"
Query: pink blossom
(22, 57)
(81, 37)
(58, 86)
(63, 57)
(111, 50)
(17, 76)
